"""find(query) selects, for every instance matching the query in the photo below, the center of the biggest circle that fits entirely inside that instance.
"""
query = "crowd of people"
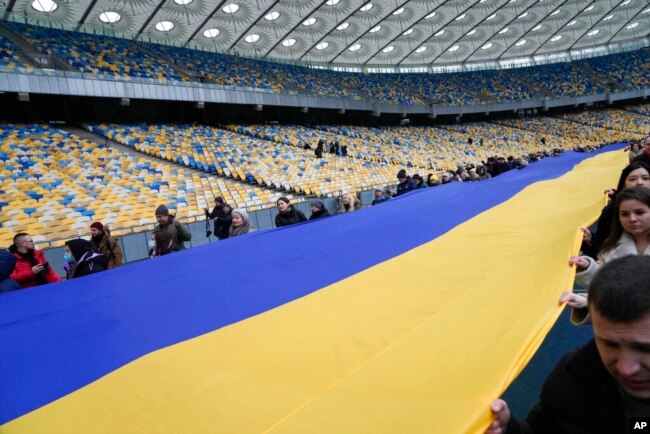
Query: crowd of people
(102, 251)
(604, 386)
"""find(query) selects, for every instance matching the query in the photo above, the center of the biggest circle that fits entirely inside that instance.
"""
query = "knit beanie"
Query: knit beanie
(317, 204)
(242, 212)
(162, 210)
(98, 226)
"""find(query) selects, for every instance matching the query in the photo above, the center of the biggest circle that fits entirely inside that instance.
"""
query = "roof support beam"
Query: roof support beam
(207, 19)
(299, 22)
(85, 15)
(146, 23)
(9, 10)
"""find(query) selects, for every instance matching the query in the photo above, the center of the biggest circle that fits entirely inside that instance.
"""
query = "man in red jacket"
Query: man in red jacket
(31, 268)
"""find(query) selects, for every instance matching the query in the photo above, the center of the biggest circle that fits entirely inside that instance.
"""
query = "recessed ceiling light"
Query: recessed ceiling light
(272, 16)
(556, 38)
(608, 17)
(471, 32)
(460, 17)
(309, 22)
(366, 7)
(332, 2)
(45, 6)
(343, 26)
(289, 42)
(454, 48)
(251, 39)
(375, 29)
(626, 2)
(487, 46)
(422, 49)
(211, 33)
(407, 32)
(491, 17)
(504, 31)
(109, 17)
(524, 15)
(572, 23)
(645, 11)
(440, 33)
(555, 12)
(520, 43)
(164, 26)
(355, 47)
(230, 8)
(633, 25)
(593, 32)
(183, 2)
(589, 8)
(388, 49)
(322, 45)
(399, 11)
(537, 27)
(430, 15)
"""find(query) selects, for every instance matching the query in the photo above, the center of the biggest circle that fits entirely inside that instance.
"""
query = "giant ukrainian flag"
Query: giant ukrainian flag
(408, 317)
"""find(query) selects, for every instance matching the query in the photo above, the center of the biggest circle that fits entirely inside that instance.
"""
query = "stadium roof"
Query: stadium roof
(407, 34)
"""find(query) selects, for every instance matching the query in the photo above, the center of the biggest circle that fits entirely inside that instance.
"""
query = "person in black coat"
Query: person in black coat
(81, 261)
(288, 214)
(601, 387)
(221, 215)
(636, 174)
(406, 183)
(318, 210)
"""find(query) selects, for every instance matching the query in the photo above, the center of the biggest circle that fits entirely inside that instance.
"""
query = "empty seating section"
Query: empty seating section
(614, 120)
(251, 159)
(99, 55)
(554, 129)
(54, 184)
(626, 71)
(643, 109)
(502, 140)
(124, 59)
(10, 57)
(224, 70)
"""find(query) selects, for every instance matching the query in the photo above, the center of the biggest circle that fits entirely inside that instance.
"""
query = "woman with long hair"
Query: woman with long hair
(288, 214)
(161, 244)
(636, 174)
(629, 235)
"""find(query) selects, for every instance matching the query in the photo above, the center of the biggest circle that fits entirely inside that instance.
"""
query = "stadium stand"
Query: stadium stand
(127, 60)
(54, 184)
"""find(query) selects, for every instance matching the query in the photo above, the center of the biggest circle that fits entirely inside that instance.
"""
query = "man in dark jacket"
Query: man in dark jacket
(7, 264)
(318, 210)
(172, 224)
(221, 215)
(406, 183)
(601, 387)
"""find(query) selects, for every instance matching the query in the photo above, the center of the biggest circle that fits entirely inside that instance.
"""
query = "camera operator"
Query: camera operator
(221, 215)
(172, 225)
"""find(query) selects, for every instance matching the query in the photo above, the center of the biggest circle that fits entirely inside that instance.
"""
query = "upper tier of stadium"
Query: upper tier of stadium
(104, 57)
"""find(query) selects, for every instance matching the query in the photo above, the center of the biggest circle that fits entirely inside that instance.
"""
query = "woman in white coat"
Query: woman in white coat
(630, 235)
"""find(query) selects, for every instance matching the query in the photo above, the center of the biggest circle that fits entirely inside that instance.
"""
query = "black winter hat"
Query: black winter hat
(162, 210)
(401, 174)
